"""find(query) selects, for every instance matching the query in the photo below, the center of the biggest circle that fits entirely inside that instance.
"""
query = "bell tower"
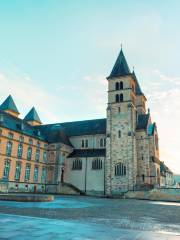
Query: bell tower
(121, 160)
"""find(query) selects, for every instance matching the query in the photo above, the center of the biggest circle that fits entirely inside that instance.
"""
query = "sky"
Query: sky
(55, 55)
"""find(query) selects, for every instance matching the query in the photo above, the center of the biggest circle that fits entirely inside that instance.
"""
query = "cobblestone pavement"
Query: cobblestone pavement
(70, 217)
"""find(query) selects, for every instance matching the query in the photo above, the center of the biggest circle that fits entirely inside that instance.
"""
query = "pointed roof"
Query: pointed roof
(120, 67)
(9, 104)
(32, 116)
(138, 88)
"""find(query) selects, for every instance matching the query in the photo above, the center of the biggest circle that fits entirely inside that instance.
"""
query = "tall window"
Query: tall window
(97, 164)
(37, 156)
(20, 150)
(77, 164)
(43, 176)
(121, 85)
(27, 172)
(6, 169)
(120, 169)
(101, 142)
(121, 97)
(29, 153)
(30, 141)
(17, 171)
(119, 134)
(143, 177)
(117, 97)
(82, 143)
(45, 156)
(36, 171)
(86, 143)
(8, 148)
(117, 86)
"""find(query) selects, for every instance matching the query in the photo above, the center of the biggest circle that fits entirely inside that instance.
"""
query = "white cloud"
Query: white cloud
(164, 99)
(27, 94)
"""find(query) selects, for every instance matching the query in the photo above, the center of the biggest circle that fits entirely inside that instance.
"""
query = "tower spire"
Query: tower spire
(121, 67)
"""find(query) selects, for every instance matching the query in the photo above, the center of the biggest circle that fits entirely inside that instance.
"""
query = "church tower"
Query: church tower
(121, 159)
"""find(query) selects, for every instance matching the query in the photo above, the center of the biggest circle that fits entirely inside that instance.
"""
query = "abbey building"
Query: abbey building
(104, 156)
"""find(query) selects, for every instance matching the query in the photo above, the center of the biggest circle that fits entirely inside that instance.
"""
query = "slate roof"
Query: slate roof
(138, 88)
(86, 127)
(142, 121)
(9, 104)
(120, 67)
(150, 129)
(54, 133)
(32, 116)
(88, 153)
(164, 168)
(16, 124)
(60, 132)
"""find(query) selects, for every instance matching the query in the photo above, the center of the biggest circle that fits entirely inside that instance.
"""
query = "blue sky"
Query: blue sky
(55, 55)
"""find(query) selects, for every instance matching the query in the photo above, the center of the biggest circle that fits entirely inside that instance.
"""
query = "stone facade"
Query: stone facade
(98, 157)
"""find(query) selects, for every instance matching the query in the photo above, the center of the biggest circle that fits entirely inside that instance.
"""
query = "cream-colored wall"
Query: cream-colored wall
(93, 141)
(23, 160)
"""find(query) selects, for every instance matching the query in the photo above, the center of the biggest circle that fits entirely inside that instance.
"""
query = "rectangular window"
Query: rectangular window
(21, 138)
(10, 135)
(36, 170)
(43, 176)
(37, 156)
(86, 143)
(20, 150)
(27, 172)
(6, 169)
(8, 148)
(45, 156)
(29, 153)
(17, 171)
(82, 143)
(119, 134)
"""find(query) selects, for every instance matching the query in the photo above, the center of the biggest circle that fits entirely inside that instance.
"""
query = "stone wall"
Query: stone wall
(165, 194)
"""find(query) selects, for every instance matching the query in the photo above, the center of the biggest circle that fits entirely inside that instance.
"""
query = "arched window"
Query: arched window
(117, 86)
(117, 97)
(120, 169)
(121, 97)
(121, 85)
(20, 150)
(97, 164)
(77, 164)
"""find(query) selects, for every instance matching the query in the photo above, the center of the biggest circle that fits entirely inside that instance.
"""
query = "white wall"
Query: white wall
(86, 179)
